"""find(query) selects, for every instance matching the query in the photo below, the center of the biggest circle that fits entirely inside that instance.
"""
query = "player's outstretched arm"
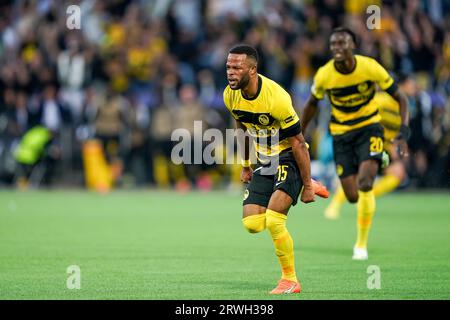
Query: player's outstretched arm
(309, 112)
(404, 129)
(301, 156)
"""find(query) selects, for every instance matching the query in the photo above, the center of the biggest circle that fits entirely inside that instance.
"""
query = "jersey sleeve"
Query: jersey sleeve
(285, 114)
(382, 77)
(317, 88)
(227, 100)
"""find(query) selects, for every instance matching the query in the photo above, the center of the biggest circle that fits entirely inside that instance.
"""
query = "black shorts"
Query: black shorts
(285, 176)
(356, 146)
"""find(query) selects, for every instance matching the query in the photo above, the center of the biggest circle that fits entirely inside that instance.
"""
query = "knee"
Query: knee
(270, 223)
(352, 198)
(351, 194)
(365, 183)
(255, 223)
(275, 222)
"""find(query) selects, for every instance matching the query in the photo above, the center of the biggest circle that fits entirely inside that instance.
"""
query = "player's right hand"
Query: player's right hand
(307, 195)
(246, 174)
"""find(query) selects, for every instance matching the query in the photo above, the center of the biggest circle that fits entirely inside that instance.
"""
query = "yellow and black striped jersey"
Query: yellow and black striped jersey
(269, 117)
(390, 115)
(351, 95)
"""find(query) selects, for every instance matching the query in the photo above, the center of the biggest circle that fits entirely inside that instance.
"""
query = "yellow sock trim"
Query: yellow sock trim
(366, 211)
(333, 210)
(255, 223)
(338, 199)
(386, 184)
(339, 196)
(284, 246)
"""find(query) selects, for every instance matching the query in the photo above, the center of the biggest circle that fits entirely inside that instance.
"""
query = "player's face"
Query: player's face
(341, 45)
(239, 70)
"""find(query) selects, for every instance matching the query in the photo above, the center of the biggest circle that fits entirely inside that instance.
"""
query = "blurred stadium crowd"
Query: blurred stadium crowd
(136, 70)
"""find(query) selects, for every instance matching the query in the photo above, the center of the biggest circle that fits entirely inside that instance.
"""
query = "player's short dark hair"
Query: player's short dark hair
(344, 30)
(245, 49)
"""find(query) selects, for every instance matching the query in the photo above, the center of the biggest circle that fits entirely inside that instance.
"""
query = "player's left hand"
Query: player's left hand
(403, 148)
(308, 194)
(402, 138)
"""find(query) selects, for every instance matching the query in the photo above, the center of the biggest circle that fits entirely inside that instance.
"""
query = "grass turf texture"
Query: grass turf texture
(163, 245)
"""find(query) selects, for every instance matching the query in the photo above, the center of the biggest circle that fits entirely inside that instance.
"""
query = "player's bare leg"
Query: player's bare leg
(350, 186)
(276, 215)
(367, 173)
(280, 202)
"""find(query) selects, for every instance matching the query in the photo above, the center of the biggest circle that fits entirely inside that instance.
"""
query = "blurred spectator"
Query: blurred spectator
(71, 75)
(111, 122)
(137, 157)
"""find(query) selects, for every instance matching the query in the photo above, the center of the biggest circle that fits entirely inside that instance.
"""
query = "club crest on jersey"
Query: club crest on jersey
(362, 87)
(264, 119)
(246, 193)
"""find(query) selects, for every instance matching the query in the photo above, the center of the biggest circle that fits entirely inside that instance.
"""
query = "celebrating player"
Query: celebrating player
(395, 173)
(265, 109)
(349, 81)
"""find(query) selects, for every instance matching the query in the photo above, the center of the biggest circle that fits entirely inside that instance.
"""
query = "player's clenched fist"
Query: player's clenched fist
(307, 194)
(246, 174)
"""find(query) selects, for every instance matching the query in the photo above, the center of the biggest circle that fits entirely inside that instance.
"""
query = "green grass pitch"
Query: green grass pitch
(163, 245)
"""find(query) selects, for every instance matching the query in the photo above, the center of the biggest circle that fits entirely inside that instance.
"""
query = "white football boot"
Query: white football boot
(360, 254)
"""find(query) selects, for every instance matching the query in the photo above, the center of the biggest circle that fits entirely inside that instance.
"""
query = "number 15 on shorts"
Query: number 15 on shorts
(282, 172)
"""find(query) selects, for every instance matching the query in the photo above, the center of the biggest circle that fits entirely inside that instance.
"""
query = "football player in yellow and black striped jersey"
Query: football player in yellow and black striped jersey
(263, 108)
(350, 82)
(395, 173)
